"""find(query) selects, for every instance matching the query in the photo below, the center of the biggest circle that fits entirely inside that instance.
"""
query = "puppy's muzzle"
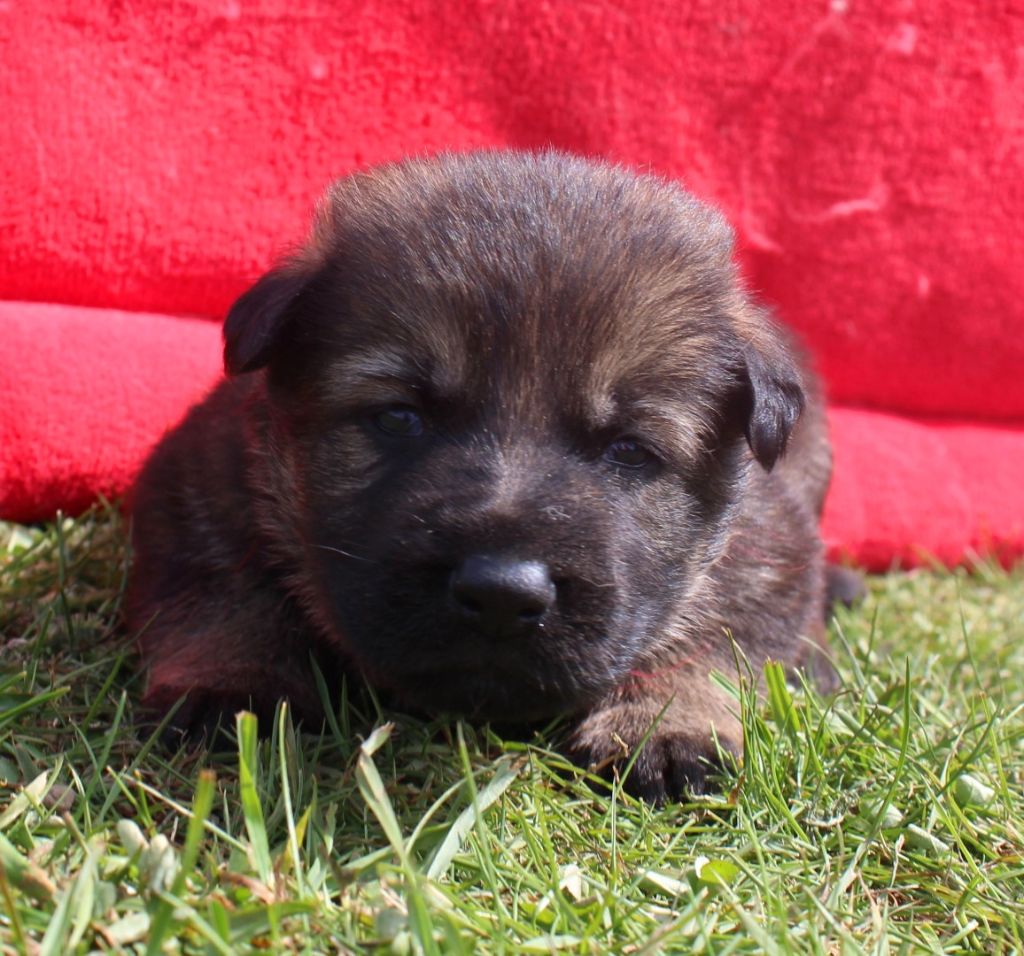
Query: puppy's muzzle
(502, 596)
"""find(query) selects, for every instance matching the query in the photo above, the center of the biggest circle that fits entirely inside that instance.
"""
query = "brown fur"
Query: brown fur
(527, 311)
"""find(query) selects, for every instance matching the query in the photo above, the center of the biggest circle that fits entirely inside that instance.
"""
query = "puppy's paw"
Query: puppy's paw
(677, 760)
(202, 718)
(204, 715)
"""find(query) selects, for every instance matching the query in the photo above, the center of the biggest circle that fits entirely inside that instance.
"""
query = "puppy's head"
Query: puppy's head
(517, 397)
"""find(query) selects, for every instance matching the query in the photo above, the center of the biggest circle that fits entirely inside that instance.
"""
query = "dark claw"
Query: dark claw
(669, 768)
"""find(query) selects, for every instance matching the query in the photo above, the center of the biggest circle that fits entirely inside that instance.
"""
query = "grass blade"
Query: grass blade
(252, 810)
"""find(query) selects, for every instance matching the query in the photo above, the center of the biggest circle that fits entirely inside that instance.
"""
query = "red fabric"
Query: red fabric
(908, 492)
(156, 157)
(84, 395)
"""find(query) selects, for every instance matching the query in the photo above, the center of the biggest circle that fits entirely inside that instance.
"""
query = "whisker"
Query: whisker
(345, 554)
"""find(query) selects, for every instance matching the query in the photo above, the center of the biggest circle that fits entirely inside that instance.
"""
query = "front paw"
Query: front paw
(677, 759)
(195, 718)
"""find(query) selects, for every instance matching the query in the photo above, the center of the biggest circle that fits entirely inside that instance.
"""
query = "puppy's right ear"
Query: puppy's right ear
(257, 321)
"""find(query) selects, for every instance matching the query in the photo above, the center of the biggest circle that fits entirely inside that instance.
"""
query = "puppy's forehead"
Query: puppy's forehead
(496, 271)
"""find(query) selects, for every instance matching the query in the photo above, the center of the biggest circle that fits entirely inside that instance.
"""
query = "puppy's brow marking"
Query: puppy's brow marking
(681, 357)
(390, 367)
(686, 430)
(683, 426)
(379, 364)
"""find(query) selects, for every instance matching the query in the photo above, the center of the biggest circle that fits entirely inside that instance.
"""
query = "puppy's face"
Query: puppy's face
(512, 399)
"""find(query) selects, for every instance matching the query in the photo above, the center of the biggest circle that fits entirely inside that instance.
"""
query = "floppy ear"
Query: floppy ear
(256, 322)
(773, 398)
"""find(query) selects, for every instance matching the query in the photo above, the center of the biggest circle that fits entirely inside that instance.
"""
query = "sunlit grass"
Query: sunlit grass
(887, 818)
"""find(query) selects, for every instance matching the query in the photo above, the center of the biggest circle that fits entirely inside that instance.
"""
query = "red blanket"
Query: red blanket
(871, 154)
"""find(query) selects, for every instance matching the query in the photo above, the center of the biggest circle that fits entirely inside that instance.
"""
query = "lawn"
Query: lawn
(888, 818)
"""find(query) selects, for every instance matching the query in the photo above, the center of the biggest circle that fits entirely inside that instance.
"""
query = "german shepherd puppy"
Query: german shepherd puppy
(506, 438)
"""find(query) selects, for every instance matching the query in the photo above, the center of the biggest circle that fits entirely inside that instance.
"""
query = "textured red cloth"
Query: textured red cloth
(84, 395)
(911, 491)
(157, 156)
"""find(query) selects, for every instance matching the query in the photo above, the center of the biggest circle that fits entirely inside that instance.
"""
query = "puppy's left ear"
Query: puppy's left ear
(771, 393)
(260, 317)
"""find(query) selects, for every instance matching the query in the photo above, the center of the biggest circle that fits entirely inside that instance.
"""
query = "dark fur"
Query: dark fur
(533, 309)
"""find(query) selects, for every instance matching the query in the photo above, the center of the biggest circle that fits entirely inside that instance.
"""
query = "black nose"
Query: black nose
(502, 595)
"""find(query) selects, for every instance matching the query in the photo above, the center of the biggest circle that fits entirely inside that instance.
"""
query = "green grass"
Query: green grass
(887, 819)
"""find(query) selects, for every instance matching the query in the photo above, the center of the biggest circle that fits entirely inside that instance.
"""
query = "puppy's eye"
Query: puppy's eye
(399, 420)
(629, 453)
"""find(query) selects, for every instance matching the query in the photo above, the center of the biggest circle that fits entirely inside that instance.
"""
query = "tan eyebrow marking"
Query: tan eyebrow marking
(387, 374)
(686, 426)
(681, 427)
(378, 364)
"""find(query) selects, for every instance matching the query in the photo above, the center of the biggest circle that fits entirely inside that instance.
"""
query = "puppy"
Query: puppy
(506, 438)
